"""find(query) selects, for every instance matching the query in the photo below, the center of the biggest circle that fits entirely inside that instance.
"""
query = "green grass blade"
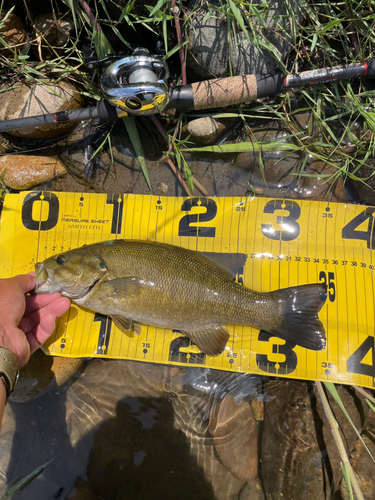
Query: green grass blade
(70, 4)
(332, 389)
(338, 439)
(246, 147)
(175, 49)
(346, 474)
(23, 482)
(157, 7)
(132, 131)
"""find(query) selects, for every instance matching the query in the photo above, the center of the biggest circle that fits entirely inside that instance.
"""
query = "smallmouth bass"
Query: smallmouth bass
(171, 287)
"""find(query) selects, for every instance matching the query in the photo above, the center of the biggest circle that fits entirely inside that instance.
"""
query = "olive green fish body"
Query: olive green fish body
(165, 288)
(175, 288)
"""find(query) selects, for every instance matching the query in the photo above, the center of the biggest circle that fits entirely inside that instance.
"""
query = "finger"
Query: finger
(12, 297)
(58, 307)
(23, 282)
(42, 332)
(35, 302)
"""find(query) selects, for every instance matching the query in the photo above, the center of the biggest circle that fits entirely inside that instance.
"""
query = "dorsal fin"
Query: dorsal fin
(230, 262)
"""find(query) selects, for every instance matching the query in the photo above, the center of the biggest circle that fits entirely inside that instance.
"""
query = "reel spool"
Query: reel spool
(137, 84)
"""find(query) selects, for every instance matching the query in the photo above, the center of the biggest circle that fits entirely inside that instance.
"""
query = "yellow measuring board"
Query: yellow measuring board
(287, 243)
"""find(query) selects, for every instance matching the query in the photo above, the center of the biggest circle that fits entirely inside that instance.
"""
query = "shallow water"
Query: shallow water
(128, 429)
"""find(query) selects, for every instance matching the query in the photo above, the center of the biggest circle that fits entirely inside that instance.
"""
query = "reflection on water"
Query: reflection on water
(134, 430)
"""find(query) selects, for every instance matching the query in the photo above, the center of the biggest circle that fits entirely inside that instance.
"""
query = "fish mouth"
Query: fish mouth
(43, 280)
(44, 284)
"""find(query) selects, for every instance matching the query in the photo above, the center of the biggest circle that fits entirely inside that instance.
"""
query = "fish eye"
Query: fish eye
(60, 260)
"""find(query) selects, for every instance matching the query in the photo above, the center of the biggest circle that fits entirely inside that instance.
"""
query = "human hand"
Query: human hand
(26, 322)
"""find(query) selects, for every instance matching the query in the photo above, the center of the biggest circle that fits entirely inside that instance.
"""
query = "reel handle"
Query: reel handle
(222, 92)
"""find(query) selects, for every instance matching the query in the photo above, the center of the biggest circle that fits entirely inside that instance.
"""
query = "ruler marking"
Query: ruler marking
(241, 216)
(249, 209)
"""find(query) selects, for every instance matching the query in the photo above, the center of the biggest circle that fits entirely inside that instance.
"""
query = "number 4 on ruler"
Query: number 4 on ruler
(355, 362)
(351, 232)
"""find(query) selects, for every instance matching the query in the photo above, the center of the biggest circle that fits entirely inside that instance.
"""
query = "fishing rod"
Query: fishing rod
(138, 85)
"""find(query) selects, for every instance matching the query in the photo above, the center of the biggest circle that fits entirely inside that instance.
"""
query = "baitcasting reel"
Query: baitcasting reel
(137, 84)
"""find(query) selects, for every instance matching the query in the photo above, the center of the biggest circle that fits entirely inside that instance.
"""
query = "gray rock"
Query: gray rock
(209, 49)
(251, 491)
(54, 31)
(13, 32)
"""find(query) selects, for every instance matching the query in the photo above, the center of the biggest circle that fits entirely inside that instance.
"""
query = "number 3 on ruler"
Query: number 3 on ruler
(289, 223)
(284, 367)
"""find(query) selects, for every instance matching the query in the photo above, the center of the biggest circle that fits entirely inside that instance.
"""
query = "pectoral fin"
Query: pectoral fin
(127, 324)
(211, 341)
(123, 287)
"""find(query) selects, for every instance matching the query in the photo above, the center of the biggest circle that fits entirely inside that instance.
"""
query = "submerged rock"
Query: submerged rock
(26, 171)
(364, 185)
(235, 436)
(44, 374)
(204, 131)
(299, 456)
(321, 181)
(31, 99)
(270, 171)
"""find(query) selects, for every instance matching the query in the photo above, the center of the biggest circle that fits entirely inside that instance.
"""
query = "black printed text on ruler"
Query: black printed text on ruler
(187, 225)
(52, 205)
(116, 201)
(351, 231)
(291, 227)
(104, 333)
(284, 367)
(355, 362)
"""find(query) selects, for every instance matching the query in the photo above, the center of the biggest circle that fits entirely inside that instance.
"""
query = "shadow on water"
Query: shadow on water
(138, 454)
(133, 430)
(41, 436)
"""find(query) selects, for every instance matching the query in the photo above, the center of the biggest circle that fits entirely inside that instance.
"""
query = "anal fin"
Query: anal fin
(127, 324)
(211, 341)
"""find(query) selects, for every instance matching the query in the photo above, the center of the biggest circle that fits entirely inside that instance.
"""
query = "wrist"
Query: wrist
(5, 340)
(8, 370)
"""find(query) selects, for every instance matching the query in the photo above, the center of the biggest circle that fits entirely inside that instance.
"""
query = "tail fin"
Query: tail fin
(299, 322)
